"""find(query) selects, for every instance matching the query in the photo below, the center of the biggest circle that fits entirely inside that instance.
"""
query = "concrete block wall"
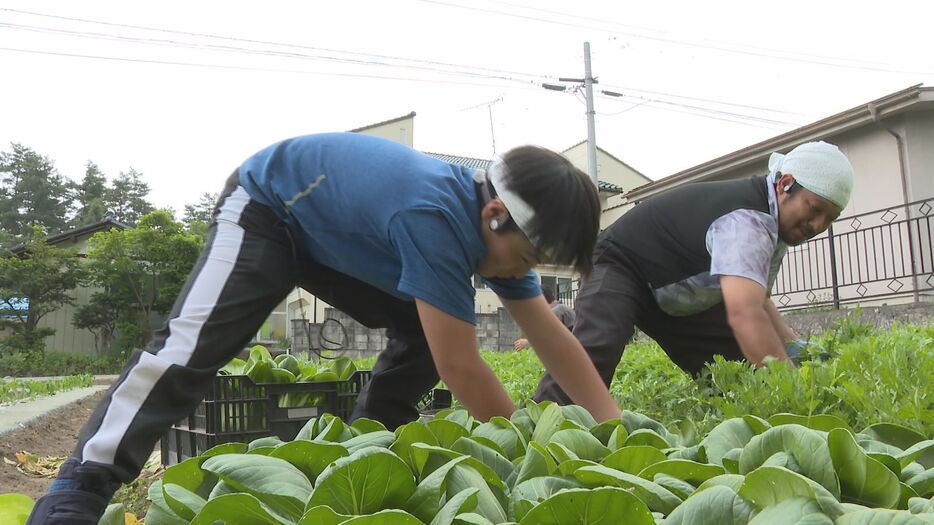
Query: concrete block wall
(495, 331)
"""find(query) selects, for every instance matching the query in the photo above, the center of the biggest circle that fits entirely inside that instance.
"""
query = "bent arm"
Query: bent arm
(453, 345)
(778, 321)
(563, 356)
(750, 320)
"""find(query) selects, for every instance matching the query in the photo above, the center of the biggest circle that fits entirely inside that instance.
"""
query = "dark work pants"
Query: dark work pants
(248, 266)
(613, 301)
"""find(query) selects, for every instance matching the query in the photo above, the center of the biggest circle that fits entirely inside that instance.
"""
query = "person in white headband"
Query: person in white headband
(692, 267)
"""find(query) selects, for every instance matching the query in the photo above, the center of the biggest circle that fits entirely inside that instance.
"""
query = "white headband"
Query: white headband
(520, 210)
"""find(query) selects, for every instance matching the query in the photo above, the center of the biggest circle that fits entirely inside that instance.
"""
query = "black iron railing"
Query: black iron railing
(880, 254)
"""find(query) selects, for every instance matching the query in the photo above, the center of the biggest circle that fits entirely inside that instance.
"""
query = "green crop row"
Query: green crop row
(555, 465)
(19, 389)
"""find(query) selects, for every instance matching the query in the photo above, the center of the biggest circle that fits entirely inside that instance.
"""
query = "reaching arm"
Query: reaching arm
(453, 345)
(778, 321)
(563, 356)
(750, 320)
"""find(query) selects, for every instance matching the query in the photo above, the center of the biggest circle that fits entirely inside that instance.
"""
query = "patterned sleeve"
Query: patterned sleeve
(742, 243)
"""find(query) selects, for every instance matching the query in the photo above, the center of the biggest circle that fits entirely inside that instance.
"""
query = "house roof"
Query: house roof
(614, 157)
(106, 223)
(482, 164)
(383, 123)
(910, 99)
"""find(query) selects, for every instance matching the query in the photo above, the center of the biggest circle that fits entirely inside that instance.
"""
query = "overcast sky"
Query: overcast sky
(183, 91)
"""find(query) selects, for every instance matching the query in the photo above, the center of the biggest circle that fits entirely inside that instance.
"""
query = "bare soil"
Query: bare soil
(55, 434)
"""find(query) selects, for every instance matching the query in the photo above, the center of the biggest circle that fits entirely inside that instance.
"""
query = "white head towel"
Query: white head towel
(819, 167)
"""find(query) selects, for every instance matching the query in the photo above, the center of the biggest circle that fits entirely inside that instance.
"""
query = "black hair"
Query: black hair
(565, 202)
(549, 293)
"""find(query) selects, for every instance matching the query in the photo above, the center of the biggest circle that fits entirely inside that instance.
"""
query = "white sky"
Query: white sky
(776, 65)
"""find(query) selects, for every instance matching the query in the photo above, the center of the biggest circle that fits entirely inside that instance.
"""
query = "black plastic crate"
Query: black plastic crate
(435, 400)
(236, 409)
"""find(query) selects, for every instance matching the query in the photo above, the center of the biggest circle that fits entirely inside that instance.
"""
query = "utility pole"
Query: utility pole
(588, 81)
(591, 127)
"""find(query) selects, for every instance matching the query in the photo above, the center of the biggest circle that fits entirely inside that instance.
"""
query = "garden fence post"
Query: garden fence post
(833, 269)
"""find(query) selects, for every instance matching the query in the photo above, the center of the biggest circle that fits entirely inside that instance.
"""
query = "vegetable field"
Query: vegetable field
(875, 376)
(844, 441)
(555, 465)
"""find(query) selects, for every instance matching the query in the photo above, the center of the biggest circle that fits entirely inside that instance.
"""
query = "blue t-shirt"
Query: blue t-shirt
(383, 213)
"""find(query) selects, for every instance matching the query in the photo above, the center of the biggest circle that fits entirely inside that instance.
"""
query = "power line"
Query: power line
(245, 68)
(699, 108)
(460, 71)
(234, 49)
(726, 116)
(283, 54)
(684, 41)
(708, 100)
(269, 43)
(752, 51)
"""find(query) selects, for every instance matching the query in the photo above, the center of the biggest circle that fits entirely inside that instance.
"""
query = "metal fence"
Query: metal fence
(881, 254)
(886, 253)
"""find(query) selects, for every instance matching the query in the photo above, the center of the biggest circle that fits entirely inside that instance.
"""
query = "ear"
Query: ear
(784, 183)
(494, 210)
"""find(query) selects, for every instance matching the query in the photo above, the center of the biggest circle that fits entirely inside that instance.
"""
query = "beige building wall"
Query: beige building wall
(67, 338)
(487, 302)
(919, 145)
(874, 156)
(614, 171)
(401, 130)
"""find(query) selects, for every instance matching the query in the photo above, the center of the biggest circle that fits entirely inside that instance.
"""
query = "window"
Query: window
(549, 281)
(16, 308)
(560, 285)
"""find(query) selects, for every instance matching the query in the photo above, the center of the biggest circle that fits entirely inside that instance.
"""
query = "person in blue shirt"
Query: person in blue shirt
(388, 235)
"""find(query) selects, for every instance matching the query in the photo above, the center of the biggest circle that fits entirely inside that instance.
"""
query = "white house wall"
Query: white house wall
(919, 143)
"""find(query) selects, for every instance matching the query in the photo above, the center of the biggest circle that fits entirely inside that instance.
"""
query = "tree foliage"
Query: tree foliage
(127, 197)
(140, 271)
(198, 216)
(90, 196)
(44, 276)
(32, 193)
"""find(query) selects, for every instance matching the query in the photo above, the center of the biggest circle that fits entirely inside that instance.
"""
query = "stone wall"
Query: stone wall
(807, 322)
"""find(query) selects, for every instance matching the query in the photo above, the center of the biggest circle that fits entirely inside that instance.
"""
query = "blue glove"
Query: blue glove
(800, 350)
(795, 348)
(79, 496)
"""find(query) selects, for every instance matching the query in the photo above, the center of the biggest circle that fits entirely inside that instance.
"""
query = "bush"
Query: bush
(35, 364)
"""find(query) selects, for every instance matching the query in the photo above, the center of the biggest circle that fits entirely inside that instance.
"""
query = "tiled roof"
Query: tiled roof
(469, 162)
(480, 164)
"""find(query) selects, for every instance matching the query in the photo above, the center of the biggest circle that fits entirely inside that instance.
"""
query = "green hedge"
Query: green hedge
(23, 364)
